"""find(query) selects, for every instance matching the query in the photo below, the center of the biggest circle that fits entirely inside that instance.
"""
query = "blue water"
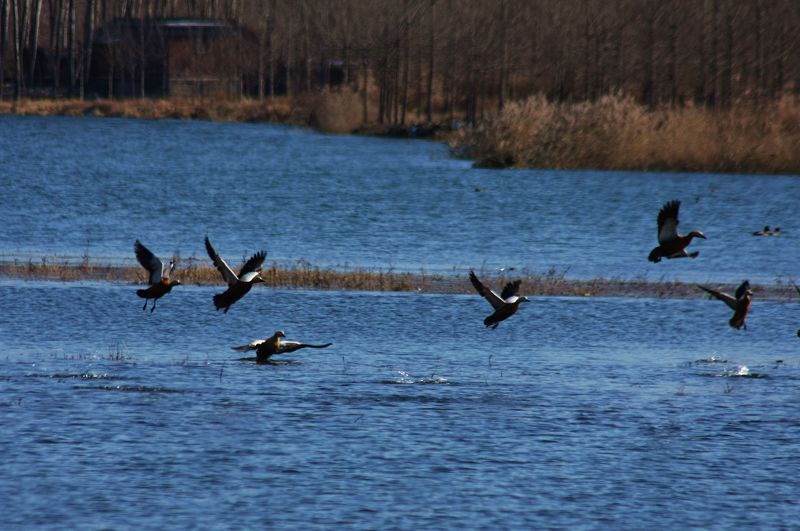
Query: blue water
(91, 186)
(575, 413)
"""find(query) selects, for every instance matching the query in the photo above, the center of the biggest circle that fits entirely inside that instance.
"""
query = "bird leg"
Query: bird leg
(145, 304)
(153, 308)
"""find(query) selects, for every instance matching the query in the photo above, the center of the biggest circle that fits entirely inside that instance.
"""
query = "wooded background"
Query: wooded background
(458, 58)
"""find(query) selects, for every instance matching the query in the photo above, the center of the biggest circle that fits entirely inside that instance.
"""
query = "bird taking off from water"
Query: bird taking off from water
(670, 243)
(266, 348)
(739, 303)
(160, 283)
(238, 286)
(505, 305)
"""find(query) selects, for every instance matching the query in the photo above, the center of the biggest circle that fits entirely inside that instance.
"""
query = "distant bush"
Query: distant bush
(337, 112)
(617, 133)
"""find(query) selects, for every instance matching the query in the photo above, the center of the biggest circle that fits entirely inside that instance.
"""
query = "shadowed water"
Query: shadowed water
(75, 186)
(603, 412)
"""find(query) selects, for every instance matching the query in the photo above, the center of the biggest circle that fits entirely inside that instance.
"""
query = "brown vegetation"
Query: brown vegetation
(621, 134)
(278, 110)
(305, 276)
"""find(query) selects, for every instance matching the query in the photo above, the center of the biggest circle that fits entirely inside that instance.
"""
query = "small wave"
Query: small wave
(77, 376)
(405, 378)
(131, 389)
(743, 371)
(712, 359)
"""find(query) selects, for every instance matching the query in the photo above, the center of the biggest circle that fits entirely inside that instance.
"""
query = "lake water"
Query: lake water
(575, 413)
(75, 186)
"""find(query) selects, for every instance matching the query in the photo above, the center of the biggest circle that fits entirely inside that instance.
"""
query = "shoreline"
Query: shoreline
(376, 280)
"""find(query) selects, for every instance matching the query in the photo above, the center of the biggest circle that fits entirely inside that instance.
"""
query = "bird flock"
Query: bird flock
(671, 245)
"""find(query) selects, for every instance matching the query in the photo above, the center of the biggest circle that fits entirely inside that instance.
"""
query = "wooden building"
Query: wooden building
(166, 57)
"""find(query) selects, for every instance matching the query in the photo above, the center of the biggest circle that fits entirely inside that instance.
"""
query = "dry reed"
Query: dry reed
(277, 110)
(337, 112)
(305, 276)
(617, 133)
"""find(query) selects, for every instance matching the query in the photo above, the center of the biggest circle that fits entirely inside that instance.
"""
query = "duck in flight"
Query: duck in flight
(266, 348)
(160, 283)
(238, 286)
(505, 305)
(670, 243)
(739, 302)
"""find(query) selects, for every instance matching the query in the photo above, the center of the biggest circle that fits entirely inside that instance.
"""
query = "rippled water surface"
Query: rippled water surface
(575, 413)
(600, 412)
(75, 186)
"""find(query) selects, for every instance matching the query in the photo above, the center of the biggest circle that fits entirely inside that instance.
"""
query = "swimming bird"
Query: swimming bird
(160, 283)
(776, 232)
(238, 286)
(265, 348)
(505, 305)
(670, 243)
(739, 303)
(766, 231)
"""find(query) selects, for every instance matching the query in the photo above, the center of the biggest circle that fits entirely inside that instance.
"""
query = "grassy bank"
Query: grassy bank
(614, 133)
(610, 133)
(278, 110)
(309, 277)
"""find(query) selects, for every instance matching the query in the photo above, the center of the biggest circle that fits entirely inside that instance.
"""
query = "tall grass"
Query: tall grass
(277, 110)
(617, 133)
(337, 112)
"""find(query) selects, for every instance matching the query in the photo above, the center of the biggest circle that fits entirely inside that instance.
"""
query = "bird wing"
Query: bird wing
(253, 345)
(510, 290)
(227, 274)
(668, 221)
(291, 346)
(254, 264)
(724, 297)
(149, 261)
(493, 298)
(796, 287)
(742, 289)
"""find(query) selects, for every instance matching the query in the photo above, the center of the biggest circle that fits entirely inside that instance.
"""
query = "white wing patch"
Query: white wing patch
(669, 230)
(248, 277)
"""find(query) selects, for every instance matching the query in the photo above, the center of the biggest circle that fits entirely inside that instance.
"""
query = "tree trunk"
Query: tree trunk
(504, 30)
(33, 47)
(71, 45)
(431, 51)
(17, 51)
(406, 57)
(3, 37)
(88, 39)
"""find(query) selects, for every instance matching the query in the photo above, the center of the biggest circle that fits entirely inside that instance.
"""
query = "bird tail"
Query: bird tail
(220, 301)
(489, 321)
(142, 293)
(655, 255)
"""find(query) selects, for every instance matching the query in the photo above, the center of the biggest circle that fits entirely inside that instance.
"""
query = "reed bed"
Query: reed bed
(277, 110)
(306, 276)
(617, 133)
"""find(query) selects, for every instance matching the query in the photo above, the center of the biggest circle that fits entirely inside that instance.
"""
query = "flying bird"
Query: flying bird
(238, 286)
(670, 243)
(505, 305)
(739, 302)
(266, 348)
(160, 280)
